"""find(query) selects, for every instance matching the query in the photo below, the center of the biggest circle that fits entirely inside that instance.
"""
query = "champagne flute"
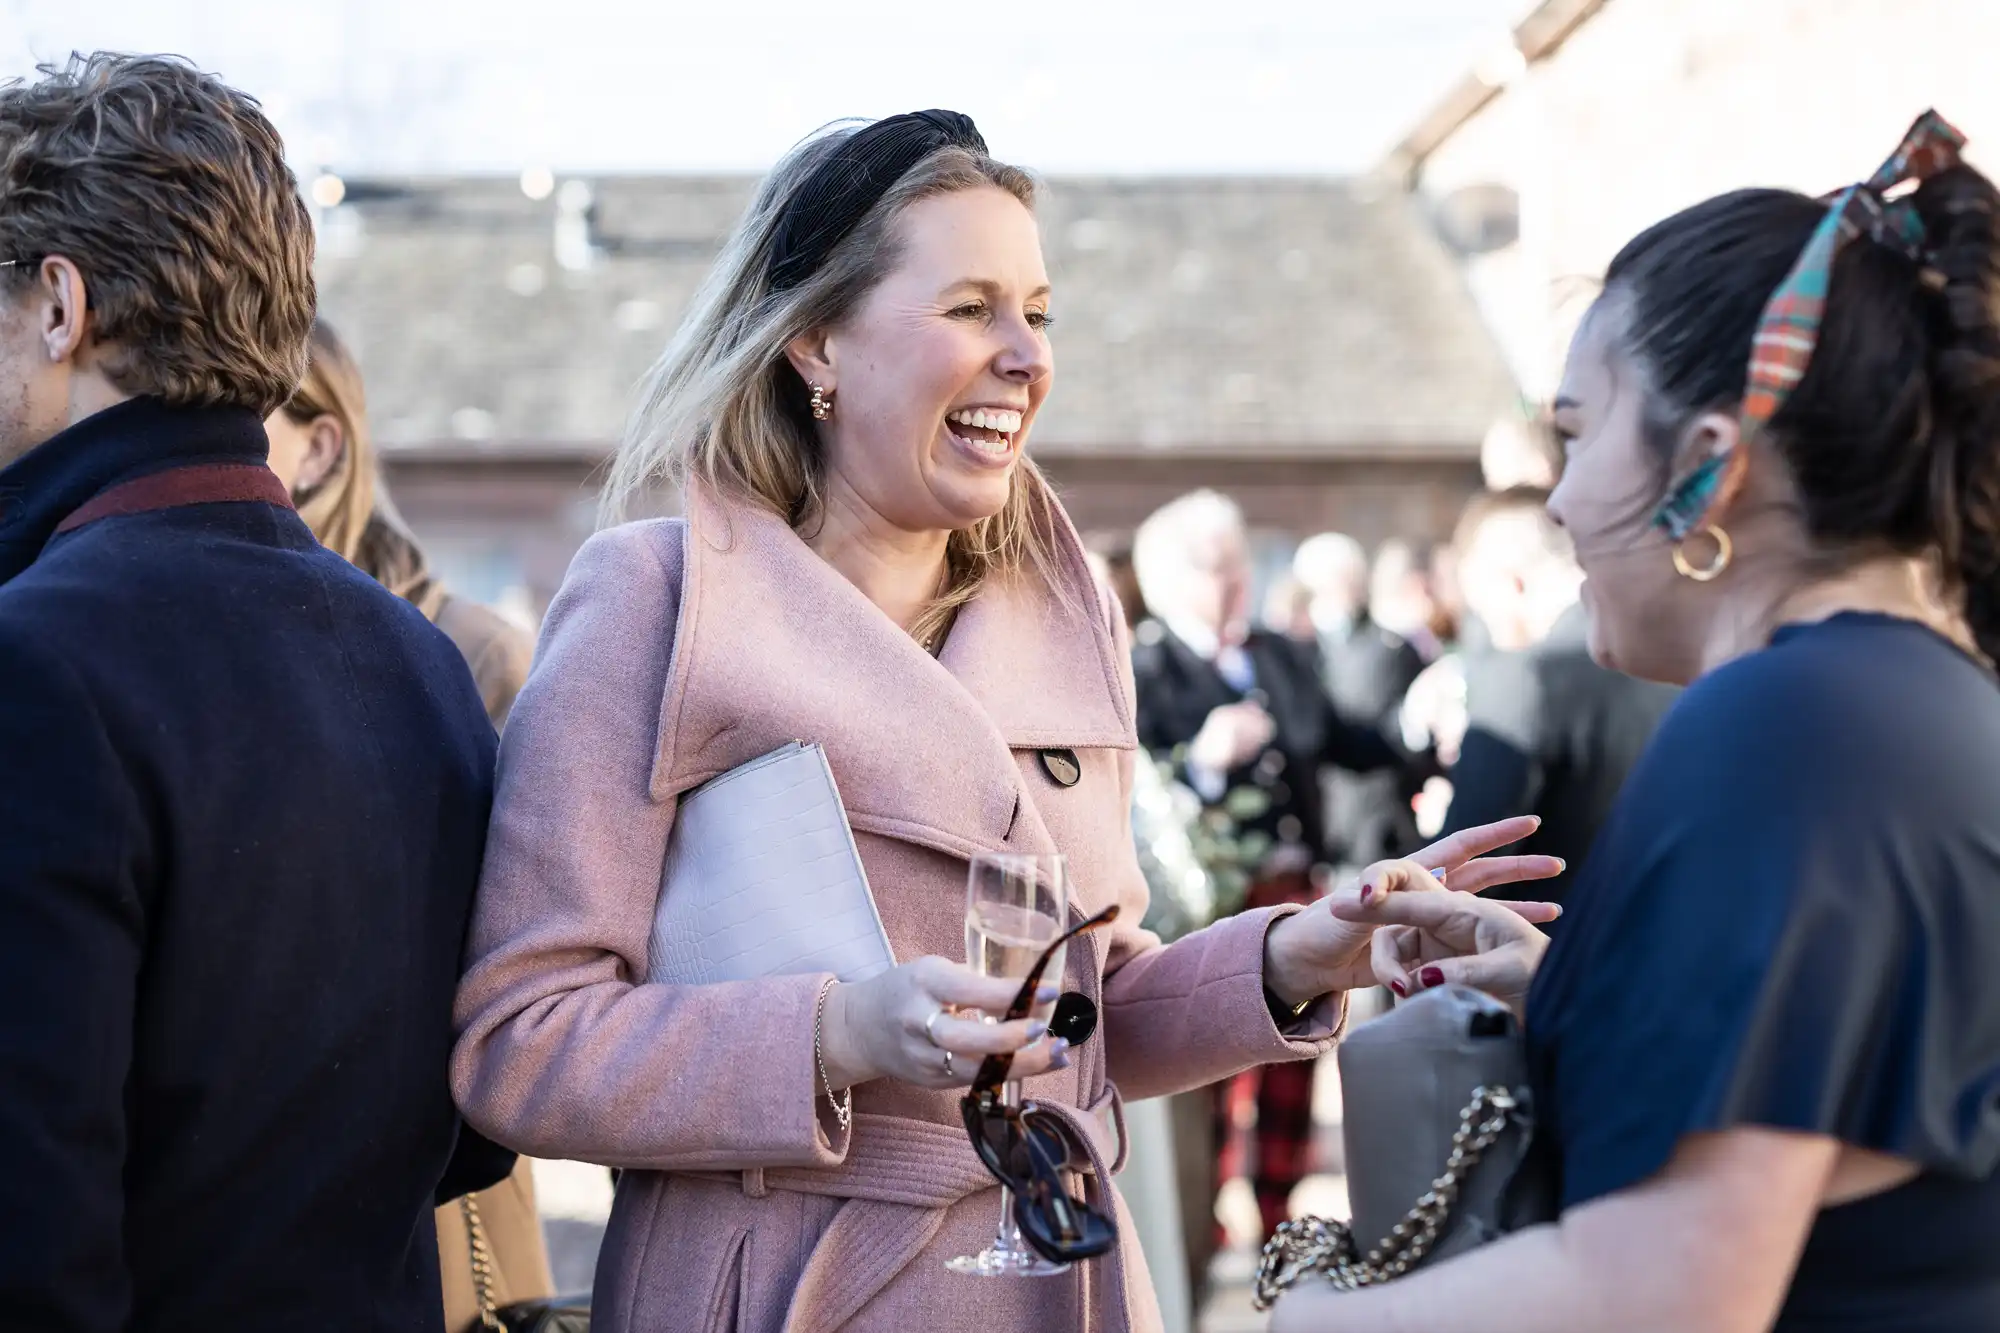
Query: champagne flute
(1014, 907)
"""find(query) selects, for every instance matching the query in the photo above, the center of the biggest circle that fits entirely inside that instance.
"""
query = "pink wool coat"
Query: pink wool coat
(676, 650)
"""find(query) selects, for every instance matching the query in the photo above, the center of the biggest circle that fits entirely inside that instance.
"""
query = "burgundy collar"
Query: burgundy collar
(205, 483)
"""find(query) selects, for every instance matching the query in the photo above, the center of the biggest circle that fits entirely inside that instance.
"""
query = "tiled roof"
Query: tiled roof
(1195, 315)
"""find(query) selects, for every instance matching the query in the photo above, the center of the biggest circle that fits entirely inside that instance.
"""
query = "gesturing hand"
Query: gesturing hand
(1231, 736)
(1428, 936)
(899, 1024)
(1319, 950)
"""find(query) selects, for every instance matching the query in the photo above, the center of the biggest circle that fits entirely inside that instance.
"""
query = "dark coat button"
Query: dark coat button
(1075, 1018)
(1062, 767)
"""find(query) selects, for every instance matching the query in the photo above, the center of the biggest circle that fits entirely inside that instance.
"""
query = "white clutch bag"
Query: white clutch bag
(762, 879)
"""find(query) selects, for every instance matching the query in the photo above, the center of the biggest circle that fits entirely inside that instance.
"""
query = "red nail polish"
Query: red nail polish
(1431, 976)
(1367, 891)
(1402, 991)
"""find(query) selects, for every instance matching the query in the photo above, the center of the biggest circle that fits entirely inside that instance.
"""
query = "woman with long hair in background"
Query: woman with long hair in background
(322, 451)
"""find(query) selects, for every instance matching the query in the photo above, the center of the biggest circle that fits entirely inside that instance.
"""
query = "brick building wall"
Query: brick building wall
(504, 530)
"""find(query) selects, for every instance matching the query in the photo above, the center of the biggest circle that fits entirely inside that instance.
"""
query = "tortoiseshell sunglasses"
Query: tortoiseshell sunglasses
(1026, 1149)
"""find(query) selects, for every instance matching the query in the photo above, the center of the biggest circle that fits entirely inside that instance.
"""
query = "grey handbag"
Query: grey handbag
(1436, 1119)
(762, 879)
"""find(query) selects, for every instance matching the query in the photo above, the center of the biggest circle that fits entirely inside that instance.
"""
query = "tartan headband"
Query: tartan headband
(1789, 330)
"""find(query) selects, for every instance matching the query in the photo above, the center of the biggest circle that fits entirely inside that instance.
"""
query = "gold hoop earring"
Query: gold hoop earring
(1724, 550)
(822, 403)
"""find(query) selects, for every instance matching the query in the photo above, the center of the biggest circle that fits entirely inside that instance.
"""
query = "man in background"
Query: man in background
(1241, 715)
(1367, 670)
(1548, 732)
(1402, 600)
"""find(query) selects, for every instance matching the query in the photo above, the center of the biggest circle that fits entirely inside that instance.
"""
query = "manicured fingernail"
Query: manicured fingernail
(1367, 891)
(1431, 976)
(1048, 994)
(1561, 863)
(1438, 874)
(1059, 1054)
(1402, 991)
(1036, 1031)
(1558, 907)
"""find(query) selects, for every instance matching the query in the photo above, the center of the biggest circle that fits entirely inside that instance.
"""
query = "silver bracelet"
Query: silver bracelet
(843, 1104)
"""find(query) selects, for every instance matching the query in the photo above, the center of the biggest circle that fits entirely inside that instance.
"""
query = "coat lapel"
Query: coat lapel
(775, 645)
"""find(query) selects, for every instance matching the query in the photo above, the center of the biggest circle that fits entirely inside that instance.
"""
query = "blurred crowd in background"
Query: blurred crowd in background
(1355, 706)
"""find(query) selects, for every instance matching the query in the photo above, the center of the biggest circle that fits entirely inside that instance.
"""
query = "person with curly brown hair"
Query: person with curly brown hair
(245, 788)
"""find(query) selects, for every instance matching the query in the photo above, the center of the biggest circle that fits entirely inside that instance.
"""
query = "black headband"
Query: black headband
(849, 182)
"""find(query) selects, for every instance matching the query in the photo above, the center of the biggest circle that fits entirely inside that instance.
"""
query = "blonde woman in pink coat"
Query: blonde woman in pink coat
(867, 561)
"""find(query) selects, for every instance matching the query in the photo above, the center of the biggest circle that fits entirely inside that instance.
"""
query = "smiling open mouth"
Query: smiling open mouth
(987, 431)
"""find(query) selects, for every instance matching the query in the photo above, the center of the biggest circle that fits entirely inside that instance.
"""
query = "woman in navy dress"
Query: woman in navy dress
(1766, 1050)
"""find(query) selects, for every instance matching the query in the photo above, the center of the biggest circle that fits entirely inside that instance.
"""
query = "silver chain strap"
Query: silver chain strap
(1314, 1245)
(482, 1266)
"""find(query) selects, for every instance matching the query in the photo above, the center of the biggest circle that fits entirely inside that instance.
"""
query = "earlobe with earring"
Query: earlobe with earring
(1710, 489)
(822, 403)
(1724, 551)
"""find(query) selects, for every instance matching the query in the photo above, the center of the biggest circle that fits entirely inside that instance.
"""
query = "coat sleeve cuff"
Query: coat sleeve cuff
(1193, 1012)
(829, 1139)
(807, 1116)
(1313, 1028)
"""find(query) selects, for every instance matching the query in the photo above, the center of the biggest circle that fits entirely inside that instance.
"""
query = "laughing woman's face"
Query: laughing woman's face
(937, 376)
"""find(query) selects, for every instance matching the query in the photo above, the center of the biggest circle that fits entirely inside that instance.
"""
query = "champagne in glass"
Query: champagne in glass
(1005, 941)
(1014, 907)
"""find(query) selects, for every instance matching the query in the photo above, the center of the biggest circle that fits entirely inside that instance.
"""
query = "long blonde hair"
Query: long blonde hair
(724, 408)
(348, 509)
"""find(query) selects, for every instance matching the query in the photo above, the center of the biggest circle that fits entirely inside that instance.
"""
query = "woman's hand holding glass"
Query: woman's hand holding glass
(1330, 946)
(901, 1024)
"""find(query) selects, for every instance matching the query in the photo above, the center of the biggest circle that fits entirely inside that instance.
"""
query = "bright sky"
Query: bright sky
(1121, 86)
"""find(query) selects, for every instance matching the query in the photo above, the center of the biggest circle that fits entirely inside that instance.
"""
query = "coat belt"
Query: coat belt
(899, 1178)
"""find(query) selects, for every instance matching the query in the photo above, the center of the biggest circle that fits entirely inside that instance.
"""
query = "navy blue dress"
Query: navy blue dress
(1793, 921)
